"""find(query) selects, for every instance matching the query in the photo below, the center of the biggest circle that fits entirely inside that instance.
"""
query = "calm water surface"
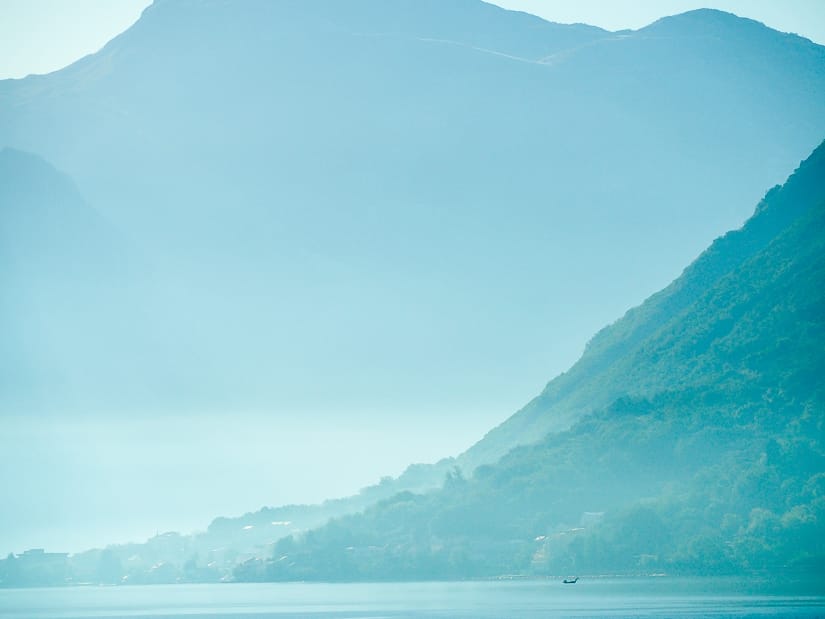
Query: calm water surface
(629, 597)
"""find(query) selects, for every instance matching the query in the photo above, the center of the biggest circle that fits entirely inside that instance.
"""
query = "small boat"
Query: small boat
(571, 581)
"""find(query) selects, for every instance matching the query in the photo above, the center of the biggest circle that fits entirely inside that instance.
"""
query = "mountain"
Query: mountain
(701, 450)
(83, 308)
(625, 359)
(343, 195)
(63, 267)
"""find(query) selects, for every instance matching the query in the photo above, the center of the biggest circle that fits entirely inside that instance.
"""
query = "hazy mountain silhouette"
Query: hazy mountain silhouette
(368, 203)
(60, 261)
(80, 307)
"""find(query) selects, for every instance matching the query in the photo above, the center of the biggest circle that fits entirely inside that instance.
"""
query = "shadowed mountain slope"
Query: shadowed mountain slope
(60, 261)
(80, 306)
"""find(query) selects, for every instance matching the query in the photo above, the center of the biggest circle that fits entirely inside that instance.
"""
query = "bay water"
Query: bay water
(508, 599)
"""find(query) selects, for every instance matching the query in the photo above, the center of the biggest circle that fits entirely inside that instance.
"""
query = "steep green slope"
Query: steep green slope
(703, 451)
(635, 355)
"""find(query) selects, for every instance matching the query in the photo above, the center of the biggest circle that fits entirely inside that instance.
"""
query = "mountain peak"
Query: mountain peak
(471, 23)
(705, 22)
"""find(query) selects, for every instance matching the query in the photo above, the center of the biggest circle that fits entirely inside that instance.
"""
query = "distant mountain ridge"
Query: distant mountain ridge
(468, 22)
(77, 291)
(57, 253)
(411, 162)
(712, 23)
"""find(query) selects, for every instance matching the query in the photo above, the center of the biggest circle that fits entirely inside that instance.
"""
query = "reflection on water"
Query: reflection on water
(597, 597)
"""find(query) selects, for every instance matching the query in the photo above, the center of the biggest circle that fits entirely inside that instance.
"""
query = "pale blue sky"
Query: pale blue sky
(39, 36)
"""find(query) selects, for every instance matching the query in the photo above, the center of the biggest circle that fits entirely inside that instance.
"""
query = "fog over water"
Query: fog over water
(89, 482)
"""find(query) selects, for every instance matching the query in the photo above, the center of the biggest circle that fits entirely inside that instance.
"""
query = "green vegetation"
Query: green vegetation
(684, 335)
(229, 545)
(695, 438)
(688, 439)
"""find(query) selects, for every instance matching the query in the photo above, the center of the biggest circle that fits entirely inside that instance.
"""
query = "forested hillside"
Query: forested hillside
(658, 345)
(708, 457)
